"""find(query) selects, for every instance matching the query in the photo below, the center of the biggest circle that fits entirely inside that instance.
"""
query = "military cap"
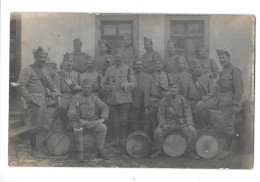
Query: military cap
(39, 52)
(148, 40)
(87, 82)
(179, 58)
(77, 40)
(219, 52)
(138, 60)
(170, 43)
(67, 56)
(126, 36)
(174, 82)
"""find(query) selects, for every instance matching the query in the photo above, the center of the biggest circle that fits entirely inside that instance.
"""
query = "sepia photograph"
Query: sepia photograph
(121, 90)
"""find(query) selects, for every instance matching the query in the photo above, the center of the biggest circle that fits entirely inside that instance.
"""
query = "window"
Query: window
(188, 33)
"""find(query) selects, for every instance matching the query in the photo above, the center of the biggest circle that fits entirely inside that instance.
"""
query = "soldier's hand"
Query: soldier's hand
(147, 111)
(235, 109)
(205, 98)
(165, 127)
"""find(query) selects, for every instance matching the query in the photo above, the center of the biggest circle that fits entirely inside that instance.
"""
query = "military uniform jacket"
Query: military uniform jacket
(180, 107)
(209, 66)
(29, 83)
(182, 78)
(100, 63)
(192, 93)
(116, 76)
(90, 107)
(229, 87)
(94, 76)
(148, 61)
(163, 81)
(141, 93)
(79, 61)
(129, 55)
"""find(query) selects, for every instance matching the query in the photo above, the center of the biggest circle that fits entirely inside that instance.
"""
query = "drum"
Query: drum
(175, 144)
(89, 142)
(206, 146)
(138, 144)
(58, 143)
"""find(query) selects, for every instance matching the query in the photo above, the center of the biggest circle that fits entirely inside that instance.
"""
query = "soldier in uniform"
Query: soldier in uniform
(182, 75)
(174, 114)
(128, 52)
(32, 83)
(93, 75)
(79, 58)
(121, 81)
(150, 56)
(170, 61)
(88, 112)
(104, 60)
(68, 84)
(139, 109)
(210, 67)
(225, 96)
(198, 86)
(160, 83)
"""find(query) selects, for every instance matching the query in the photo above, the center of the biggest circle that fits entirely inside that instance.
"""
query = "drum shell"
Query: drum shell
(175, 144)
(138, 144)
(58, 142)
(206, 146)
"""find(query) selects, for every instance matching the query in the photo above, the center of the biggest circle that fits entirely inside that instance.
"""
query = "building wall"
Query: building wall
(55, 33)
(236, 34)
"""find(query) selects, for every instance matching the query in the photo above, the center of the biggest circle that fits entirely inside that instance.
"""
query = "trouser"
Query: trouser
(37, 125)
(189, 132)
(151, 125)
(201, 118)
(137, 118)
(61, 113)
(99, 130)
(119, 119)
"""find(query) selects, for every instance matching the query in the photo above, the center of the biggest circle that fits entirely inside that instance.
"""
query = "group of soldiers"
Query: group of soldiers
(156, 96)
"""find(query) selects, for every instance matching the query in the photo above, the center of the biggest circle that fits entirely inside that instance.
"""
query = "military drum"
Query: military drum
(206, 146)
(175, 144)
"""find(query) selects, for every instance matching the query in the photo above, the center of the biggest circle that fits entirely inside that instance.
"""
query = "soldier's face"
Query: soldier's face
(174, 90)
(158, 65)
(203, 53)
(68, 64)
(180, 65)
(87, 89)
(90, 64)
(171, 49)
(103, 48)
(138, 66)
(224, 59)
(77, 47)
(148, 46)
(40, 59)
(127, 42)
(198, 69)
(118, 59)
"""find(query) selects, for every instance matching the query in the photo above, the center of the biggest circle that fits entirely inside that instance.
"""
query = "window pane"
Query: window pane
(193, 43)
(109, 29)
(194, 28)
(125, 29)
(179, 43)
(178, 28)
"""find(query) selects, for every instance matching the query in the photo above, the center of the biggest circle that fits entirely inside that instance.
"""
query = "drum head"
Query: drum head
(58, 143)
(206, 146)
(89, 142)
(138, 144)
(175, 145)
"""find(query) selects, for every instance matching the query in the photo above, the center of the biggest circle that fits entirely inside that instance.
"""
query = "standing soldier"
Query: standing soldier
(79, 58)
(93, 75)
(33, 82)
(198, 86)
(174, 114)
(139, 109)
(160, 83)
(68, 84)
(210, 68)
(128, 52)
(88, 112)
(150, 56)
(182, 75)
(121, 81)
(225, 96)
(170, 62)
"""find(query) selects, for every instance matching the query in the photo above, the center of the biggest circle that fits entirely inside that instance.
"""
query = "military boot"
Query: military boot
(101, 154)
(227, 148)
(78, 139)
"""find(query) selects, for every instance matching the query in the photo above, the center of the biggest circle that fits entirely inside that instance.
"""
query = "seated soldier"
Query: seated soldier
(174, 114)
(83, 115)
